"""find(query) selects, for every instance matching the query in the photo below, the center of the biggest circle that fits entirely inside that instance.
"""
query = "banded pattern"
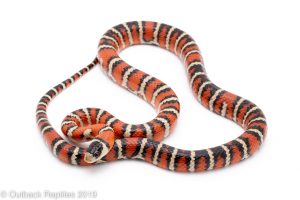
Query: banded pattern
(111, 139)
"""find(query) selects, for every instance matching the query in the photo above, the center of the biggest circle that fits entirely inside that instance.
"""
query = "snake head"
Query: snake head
(96, 150)
(100, 145)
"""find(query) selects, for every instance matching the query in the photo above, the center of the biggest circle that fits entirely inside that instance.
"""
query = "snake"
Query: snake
(109, 139)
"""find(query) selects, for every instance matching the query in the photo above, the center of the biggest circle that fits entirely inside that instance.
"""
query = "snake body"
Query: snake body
(111, 139)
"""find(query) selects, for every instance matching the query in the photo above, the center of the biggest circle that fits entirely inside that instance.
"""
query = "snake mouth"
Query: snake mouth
(89, 158)
(96, 150)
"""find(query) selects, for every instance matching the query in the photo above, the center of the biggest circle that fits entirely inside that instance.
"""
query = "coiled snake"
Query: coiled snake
(111, 139)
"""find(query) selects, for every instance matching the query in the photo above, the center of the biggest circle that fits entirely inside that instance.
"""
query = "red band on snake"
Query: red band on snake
(111, 139)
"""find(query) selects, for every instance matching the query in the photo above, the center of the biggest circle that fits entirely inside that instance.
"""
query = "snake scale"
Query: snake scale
(111, 139)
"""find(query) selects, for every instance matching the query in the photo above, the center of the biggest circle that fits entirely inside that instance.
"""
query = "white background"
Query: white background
(249, 48)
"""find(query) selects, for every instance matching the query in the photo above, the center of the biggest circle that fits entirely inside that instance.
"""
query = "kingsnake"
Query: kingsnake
(111, 139)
